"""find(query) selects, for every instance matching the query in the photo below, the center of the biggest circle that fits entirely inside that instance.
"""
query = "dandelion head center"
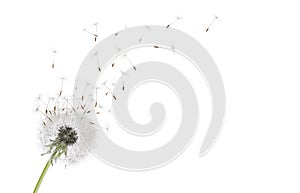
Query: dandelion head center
(67, 135)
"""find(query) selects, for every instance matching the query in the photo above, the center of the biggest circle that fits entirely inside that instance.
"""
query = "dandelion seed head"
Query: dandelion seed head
(63, 129)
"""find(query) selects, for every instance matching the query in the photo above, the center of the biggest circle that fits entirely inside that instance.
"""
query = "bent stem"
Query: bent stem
(57, 152)
(38, 184)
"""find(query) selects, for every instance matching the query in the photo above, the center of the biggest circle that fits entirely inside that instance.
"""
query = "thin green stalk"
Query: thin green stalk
(48, 164)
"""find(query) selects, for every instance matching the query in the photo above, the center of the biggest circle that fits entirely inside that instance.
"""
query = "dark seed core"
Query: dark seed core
(67, 135)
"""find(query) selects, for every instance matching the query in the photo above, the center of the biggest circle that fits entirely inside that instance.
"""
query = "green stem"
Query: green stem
(38, 184)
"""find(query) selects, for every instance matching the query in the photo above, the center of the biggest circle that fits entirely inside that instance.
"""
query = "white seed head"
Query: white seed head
(63, 128)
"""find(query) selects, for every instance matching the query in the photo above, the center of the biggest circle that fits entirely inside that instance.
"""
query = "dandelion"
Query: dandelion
(61, 134)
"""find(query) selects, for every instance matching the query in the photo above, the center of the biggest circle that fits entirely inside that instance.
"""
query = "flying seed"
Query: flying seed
(177, 18)
(95, 35)
(125, 55)
(211, 23)
(148, 28)
(110, 92)
(82, 97)
(96, 102)
(120, 31)
(96, 54)
(96, 28)
(61, 87)
(123, 86)
(53, 60)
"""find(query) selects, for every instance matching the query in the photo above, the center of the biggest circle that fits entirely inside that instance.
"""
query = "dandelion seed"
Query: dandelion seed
(39, 98)
(86, 109)
(96, 98)
(142, 36)
(125, 55)
(48, 117)
(123, 87)
(53, 60)
(95, 35)
(61, 87)
(177, 18)
(123, 74)
(109, 91)
(98, 65)
(212, 22)
(120, 31)
(76, 81)
(82, 97)
(96, 28)
(96, 101)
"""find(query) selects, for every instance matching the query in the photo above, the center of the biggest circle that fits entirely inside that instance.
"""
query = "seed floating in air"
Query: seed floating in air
(177, 18)
(212, 22)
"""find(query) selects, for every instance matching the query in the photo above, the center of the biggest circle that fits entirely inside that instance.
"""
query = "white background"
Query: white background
(256, 48)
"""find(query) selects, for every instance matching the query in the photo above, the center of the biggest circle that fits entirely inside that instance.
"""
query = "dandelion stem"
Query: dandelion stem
(38, 184)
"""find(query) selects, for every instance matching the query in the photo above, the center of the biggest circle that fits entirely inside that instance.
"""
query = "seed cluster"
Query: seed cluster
(67, 135)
